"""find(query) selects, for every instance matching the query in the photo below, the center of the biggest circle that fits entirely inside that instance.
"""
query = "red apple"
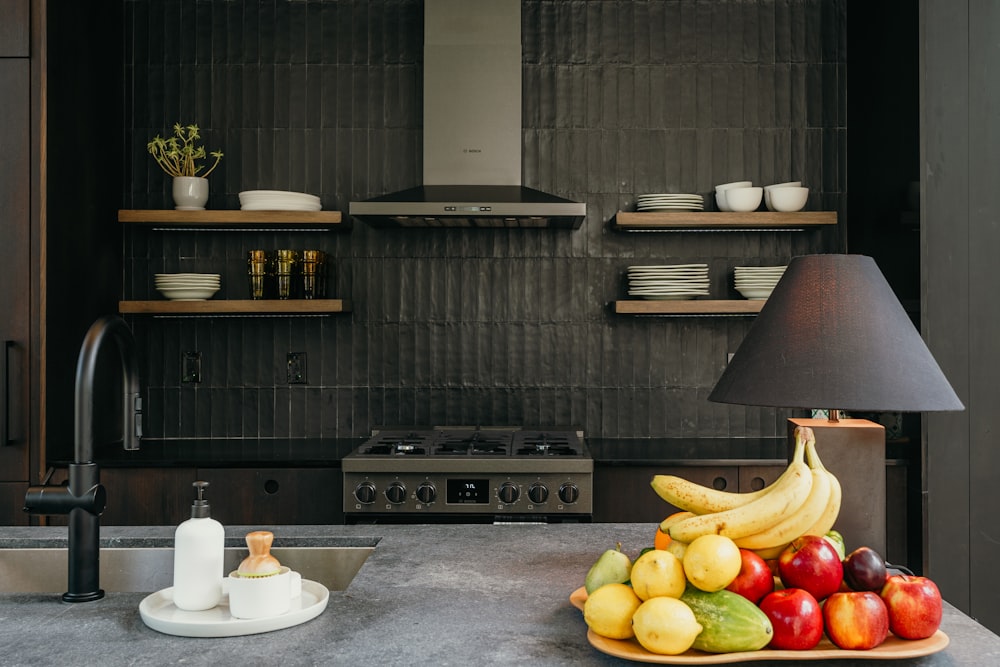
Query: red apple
(914, 605)
(795, 617)
(811, 563)
(754, 580)
(856, 620)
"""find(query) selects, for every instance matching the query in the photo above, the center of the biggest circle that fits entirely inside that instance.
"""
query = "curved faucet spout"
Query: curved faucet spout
(86, 368)
(83, 500)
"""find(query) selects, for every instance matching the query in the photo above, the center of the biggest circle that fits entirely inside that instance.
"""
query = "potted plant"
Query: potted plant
(178, 156)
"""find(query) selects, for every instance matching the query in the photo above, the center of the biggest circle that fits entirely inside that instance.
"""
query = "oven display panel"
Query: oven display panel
(468, 492)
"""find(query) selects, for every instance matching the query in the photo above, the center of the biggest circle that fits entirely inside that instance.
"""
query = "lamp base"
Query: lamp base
(854, 451)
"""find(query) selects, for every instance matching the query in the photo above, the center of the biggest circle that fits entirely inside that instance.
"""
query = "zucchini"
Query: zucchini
(729, 621)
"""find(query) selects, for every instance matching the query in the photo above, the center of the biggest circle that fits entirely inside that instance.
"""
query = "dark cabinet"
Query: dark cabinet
(623, 493)
(15, 258)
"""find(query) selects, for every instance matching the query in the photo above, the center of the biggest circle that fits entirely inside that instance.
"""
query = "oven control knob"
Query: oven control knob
(569, 493)
(365, 493)
(426, 493)
(396, 493)
(538, 493)
(508, 492)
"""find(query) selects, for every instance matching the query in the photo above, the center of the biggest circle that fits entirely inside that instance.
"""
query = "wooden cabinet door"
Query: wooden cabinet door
(755, 478)
(259, 497)
(623, 493)
(147, 496)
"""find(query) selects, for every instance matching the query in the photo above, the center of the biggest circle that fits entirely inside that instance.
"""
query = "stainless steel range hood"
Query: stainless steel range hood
(472, 129)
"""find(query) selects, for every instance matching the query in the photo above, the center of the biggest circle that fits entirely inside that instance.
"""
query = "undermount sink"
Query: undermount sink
(146, 568)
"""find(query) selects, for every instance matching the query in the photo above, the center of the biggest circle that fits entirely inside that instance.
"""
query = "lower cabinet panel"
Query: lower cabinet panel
(11, 502)
(623, 493)
(254, 496)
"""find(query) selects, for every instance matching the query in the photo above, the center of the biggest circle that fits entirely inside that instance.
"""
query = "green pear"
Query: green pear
(837, 540)
(613, 567)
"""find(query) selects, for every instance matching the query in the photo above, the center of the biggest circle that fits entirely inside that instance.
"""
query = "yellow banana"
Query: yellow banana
(772, 553)
(796, 524)
(824, 523)
(694, 497)
(785, 495)
(674, 518)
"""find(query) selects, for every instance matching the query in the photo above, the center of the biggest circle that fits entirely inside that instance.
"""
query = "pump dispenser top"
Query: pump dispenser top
(200, 508)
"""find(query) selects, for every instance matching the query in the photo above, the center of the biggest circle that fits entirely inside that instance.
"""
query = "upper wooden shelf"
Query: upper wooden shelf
(237, 307)
(689, 307)
(629, 221)
(249, 219)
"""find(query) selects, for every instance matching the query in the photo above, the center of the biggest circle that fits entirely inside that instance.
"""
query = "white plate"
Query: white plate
(187, 275)
(158, 612)
(668, 266)
(278, 206)
(262, 194)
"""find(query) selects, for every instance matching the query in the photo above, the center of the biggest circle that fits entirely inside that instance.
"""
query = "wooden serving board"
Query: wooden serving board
(893, 648)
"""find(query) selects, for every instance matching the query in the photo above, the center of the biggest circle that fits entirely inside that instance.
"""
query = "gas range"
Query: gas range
(463, 474)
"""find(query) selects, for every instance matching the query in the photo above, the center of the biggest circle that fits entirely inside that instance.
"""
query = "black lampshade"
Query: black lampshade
(833, 335)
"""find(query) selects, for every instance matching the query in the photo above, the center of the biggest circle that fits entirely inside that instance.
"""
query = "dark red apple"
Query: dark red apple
(864, 570)
(856, 620)
(813, 564)
(754, 580)
(914, 605)
(796, 619)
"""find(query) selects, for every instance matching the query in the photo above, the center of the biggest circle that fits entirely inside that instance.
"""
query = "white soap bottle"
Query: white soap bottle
(199, 553)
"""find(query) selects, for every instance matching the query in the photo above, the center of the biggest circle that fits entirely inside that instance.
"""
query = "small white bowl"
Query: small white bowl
(734, 184)
(787, 199)
(744, 199)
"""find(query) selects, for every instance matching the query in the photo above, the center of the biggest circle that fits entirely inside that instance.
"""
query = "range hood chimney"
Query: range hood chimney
(472, 129)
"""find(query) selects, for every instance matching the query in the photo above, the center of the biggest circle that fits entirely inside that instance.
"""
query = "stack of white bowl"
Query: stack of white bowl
(785, 197)
(672, 282)
(739, 196)
(187, 286)
(278, 200)
(670, 202)
(757, 282)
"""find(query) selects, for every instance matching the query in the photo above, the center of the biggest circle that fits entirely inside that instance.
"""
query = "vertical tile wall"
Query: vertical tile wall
(474, 326)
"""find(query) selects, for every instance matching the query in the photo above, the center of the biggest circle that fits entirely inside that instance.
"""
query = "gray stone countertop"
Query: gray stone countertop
(435, 595)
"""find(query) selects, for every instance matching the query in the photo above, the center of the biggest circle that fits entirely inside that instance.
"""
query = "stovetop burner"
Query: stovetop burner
(469, 442)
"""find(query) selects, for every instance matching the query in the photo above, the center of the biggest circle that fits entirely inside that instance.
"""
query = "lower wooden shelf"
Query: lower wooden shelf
(237, 307)
(688, 308)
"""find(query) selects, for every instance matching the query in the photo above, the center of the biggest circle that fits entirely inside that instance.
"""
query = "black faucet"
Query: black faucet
(84, 499)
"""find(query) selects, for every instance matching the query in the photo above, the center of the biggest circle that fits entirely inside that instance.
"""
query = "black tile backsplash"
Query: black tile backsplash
(473, 326)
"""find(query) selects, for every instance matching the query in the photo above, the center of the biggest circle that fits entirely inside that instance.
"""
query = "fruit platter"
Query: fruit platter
(735, 577)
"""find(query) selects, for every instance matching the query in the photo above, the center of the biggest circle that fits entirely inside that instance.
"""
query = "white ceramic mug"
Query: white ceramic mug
(262, 597)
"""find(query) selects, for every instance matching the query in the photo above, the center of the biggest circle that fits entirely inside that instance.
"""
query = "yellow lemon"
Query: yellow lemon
(657, 573)
(665, 625)
(711, 562)
(608, 611)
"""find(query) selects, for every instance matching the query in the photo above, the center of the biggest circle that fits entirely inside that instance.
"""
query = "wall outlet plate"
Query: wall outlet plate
(190, 366)
(296, 372)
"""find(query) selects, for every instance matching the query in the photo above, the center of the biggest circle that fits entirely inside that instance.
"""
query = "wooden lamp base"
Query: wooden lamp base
(854, 451)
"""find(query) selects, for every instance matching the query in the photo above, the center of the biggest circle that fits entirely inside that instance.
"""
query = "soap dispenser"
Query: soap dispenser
(199, 554)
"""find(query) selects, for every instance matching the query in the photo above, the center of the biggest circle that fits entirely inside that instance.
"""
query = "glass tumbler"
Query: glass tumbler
(257, 272)
(285, 267)
(313, 274)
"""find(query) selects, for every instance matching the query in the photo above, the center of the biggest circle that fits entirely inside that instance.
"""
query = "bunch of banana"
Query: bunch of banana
(804, 499)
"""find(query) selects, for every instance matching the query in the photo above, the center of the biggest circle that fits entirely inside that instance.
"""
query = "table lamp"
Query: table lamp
(832, 335)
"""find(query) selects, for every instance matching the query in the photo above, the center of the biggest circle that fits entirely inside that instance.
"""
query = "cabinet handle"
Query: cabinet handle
(5, 395)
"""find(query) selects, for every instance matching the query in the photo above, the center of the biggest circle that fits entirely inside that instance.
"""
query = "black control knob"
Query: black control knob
(396, 492)
(538, 493)
(426, 493)
(508, 492)
(569, 493)
(365, 493)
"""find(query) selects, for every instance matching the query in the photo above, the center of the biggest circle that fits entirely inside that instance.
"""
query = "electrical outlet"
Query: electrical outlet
(296, 373)
(190, 366)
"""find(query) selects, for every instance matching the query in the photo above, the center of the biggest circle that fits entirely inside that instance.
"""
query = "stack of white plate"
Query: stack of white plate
(187, 286)
(670, 202)
(278, 200)
(757, 282)
(673, 282)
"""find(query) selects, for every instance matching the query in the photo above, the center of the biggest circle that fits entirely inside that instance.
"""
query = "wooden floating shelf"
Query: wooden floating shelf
(629, 221)
(237, 307)
(249, 219)
(690, 307)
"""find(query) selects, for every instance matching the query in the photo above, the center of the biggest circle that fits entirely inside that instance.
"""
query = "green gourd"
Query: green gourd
(729, 621)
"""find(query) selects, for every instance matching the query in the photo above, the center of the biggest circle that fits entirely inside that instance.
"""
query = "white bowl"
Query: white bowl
(755, 293)
(734, 184)
(744, 199)
(188, 293)
(787, 199)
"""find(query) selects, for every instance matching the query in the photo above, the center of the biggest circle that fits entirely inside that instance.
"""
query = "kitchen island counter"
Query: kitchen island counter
(442, 594)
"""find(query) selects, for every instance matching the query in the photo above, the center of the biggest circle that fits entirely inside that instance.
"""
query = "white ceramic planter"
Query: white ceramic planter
(190, 193)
